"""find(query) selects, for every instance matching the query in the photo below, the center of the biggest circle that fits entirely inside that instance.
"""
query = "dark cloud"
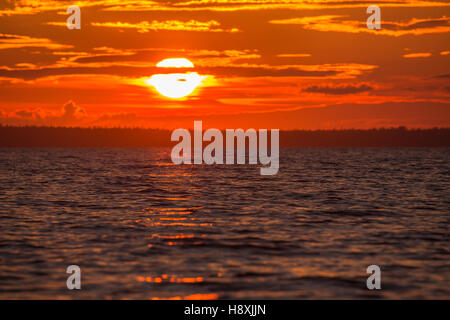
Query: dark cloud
(340, 89)
(130, 71)
(442, 76)
(25, 114)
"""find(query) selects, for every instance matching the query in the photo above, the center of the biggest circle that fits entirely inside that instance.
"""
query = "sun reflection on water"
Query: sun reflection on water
(196, 296)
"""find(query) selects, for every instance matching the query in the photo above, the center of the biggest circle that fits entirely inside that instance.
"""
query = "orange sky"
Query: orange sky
(267, 64)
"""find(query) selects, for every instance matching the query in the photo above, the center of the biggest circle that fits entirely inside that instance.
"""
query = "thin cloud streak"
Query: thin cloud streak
(26, 7)
(417, 55)
(11, 41)
(167, 25)
(336, 23)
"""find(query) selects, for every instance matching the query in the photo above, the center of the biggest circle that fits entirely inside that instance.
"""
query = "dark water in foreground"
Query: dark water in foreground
(140, 227)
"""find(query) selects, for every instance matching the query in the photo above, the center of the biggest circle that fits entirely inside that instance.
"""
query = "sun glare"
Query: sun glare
(175, 85)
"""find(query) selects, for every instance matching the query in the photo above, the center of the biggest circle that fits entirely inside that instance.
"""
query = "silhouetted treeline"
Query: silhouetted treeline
(82, 137)
(384, 137)
(137, 137)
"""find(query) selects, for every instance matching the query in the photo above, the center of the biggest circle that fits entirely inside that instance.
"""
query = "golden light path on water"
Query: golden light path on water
(175, 85)
(174, 218)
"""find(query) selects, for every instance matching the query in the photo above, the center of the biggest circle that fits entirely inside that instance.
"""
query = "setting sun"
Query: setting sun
(175, 63)
(175, 85)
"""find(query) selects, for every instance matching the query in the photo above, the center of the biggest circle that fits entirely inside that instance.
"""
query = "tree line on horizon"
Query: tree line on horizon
(68, 137)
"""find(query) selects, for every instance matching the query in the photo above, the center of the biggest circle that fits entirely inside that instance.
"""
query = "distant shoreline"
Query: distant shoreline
(68, 137)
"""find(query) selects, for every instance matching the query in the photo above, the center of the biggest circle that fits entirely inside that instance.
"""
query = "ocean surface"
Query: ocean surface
(140, 227)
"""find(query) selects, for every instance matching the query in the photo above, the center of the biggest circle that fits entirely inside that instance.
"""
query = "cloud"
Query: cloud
(167, 25)
(134, 70)
(70, 114)
(442, 76)
(151, 56)
(14, 7)
(417, 55)
(336, 23)
(106, 60)
(25, 114)
(293, 55)
(339, 89)
(9, 41)
(71, 111)
(256, 5)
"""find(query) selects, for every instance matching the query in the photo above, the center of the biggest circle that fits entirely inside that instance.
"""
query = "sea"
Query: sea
(140, 227)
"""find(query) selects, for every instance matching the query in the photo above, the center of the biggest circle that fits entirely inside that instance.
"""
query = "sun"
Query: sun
(175, 85)
(175, 63)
